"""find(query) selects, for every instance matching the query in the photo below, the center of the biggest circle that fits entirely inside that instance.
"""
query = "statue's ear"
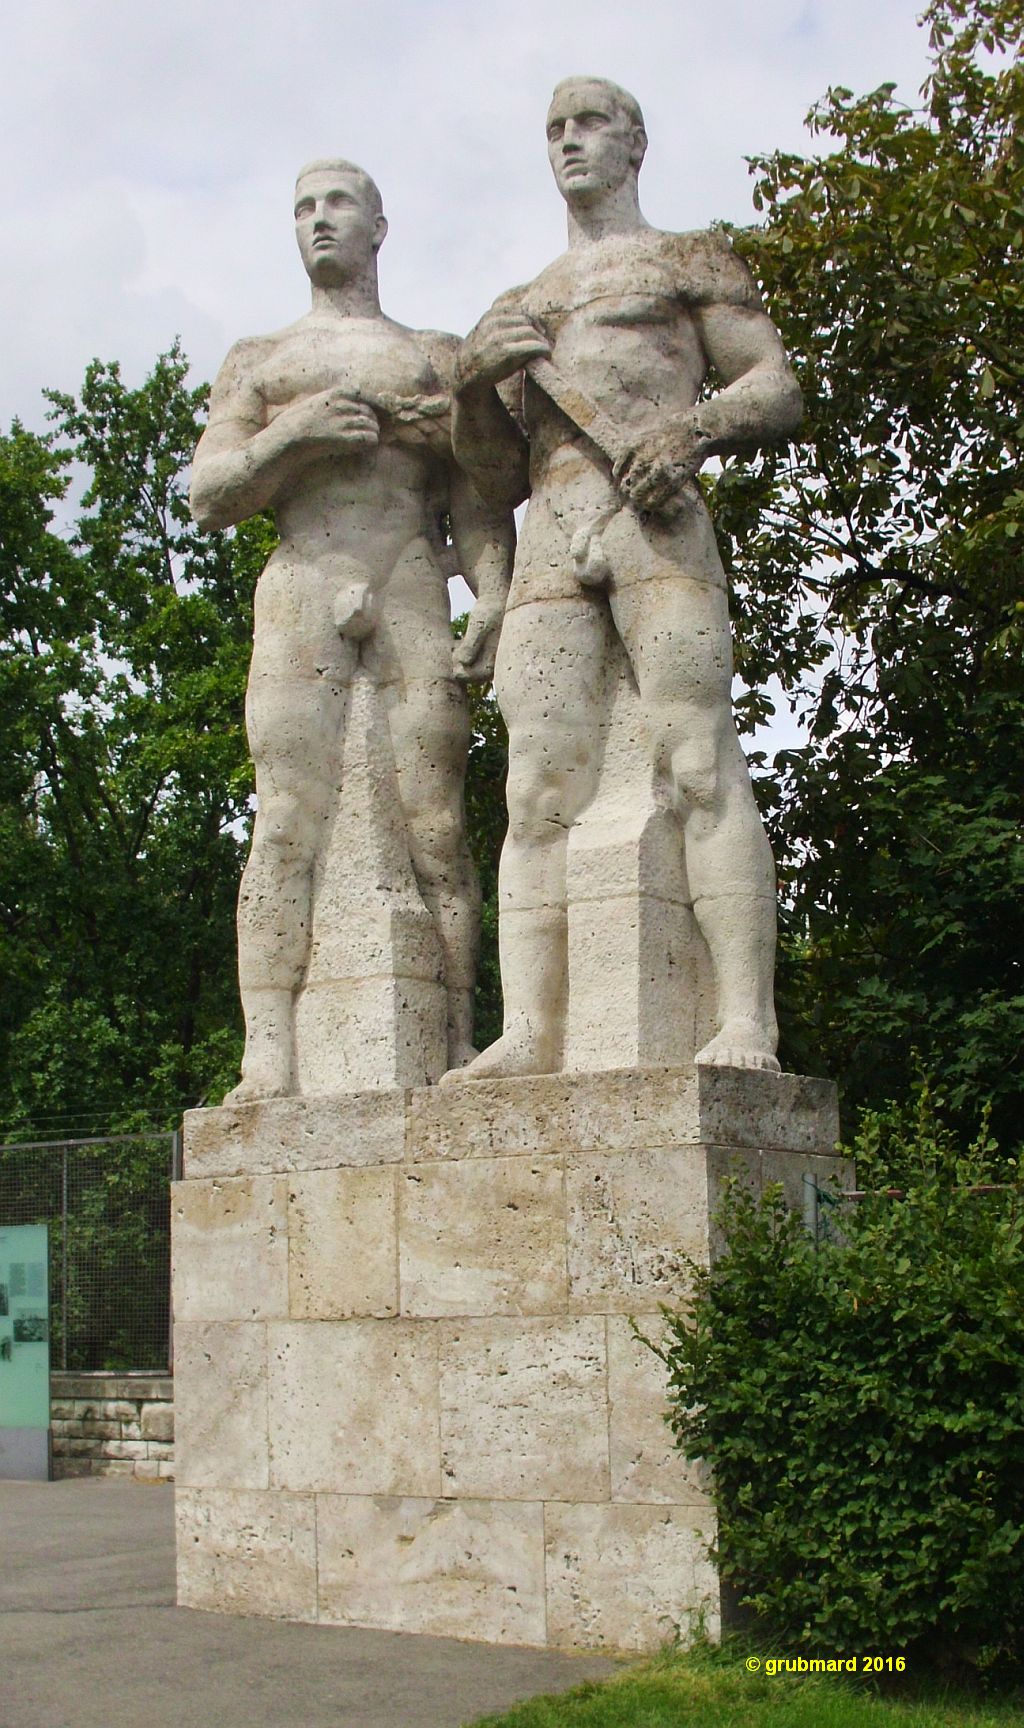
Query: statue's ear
(380, 229)
(639, 149)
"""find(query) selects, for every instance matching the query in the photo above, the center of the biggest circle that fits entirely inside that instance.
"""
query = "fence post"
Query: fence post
(64, 1259)
(811, 1204)
(177, 1155)
(177, 1165)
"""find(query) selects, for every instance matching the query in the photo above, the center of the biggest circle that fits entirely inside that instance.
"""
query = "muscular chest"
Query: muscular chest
(621, 330)
(360, 356)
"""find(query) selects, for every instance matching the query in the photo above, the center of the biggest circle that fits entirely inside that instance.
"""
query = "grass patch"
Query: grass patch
(712, 1689)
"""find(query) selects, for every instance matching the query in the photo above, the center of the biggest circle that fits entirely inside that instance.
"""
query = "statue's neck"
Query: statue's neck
(356, 299)
(615, 212)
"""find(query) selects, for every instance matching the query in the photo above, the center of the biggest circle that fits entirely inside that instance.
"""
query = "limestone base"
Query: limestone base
(408, 1391)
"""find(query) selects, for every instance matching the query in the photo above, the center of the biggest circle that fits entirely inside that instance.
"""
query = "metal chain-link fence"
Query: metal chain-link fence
(107, 1203)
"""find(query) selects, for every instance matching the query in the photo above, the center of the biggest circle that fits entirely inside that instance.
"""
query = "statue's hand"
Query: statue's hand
(332, 421)
(657, 473)
(473, 656)
(499, 345)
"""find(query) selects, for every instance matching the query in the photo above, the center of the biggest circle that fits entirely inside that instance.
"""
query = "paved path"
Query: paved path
(90, 1636)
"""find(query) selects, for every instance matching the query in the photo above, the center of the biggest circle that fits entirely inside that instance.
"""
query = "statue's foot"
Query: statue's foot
(256, 1088)
(740, 1044)
(460, 1055)
(519, 1051)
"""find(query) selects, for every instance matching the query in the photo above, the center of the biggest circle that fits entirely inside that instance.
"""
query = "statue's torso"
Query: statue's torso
(366, 505)
(620, 316)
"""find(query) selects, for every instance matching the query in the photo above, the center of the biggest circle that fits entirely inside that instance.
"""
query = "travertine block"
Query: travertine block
(247, 1553)
(220, 1400)
(354, 1407)
(342, 1244)
(483, 1237)
(550, 1112)
(359, 1032)
(620, 1111)
(646, 1465)
(230, 1245)
(296, 1134)
(452, 1568)
(627, 1577)
(524, 1409)
(631, 1222)
(739, 1107)
(648, 1019)
(157, 1424)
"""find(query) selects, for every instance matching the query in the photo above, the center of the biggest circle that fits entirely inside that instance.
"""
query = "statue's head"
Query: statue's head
(596, 138)
(339, 221)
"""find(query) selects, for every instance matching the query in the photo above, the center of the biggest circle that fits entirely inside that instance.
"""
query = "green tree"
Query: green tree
(877, 573)
(125, 782)
(860, 1401)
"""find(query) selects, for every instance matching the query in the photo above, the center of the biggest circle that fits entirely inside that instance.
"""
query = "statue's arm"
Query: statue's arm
(487, 442)
(489, 445)
(243, 460)
(484, 536)
(760, 400)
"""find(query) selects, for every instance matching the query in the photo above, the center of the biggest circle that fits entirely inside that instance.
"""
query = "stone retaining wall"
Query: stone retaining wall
(113, 1425)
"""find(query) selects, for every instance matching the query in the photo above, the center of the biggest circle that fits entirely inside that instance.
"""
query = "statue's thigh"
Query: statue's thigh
(678, 638)
(295, 635)
(550, 669)
(295, 728)
(429, 723)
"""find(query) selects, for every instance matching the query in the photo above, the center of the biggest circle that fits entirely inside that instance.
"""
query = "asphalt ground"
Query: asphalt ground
(90, 1636)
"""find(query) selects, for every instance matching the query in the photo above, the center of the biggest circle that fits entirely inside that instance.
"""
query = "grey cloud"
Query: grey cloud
(153, 149)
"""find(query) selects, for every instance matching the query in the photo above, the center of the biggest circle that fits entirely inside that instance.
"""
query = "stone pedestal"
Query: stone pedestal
(640, 991)
(372, 1011)
(408, 1391)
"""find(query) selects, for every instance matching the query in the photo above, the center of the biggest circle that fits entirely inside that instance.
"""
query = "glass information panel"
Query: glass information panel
(24, 1327)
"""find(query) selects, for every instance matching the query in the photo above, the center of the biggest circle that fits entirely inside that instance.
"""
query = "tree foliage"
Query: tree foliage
(861, 1401)
(124, 777)
(877, 579)
(877, 571)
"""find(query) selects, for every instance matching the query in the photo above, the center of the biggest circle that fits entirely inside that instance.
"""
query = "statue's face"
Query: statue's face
(338, 233)
(592, 145)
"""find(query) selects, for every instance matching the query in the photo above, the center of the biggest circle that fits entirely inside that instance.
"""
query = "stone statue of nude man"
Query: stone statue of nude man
(602, 361)
(341, 424)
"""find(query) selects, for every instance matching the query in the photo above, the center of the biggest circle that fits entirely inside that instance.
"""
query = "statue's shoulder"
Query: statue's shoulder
(249, 352)
(708, 271)
(515, 299)
(440, 348)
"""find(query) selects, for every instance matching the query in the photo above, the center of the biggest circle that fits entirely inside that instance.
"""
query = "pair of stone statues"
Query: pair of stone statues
(392, 457)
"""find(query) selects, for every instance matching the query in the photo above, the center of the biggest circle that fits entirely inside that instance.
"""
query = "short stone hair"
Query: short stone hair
(338, 165)
(621, 99)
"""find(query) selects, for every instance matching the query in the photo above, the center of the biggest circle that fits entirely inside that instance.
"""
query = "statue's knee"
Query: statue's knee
(538, 803)
(694, 771)
(285, 827)
(438, 845)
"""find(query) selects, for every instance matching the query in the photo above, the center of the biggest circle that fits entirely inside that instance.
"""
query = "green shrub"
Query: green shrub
(861, 1402)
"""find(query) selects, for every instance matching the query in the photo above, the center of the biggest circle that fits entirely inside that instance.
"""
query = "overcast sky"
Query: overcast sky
(151, 148)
